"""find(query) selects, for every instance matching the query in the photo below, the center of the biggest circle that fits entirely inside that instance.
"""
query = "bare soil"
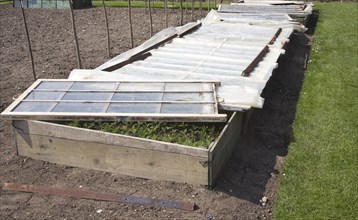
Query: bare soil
(251, 173)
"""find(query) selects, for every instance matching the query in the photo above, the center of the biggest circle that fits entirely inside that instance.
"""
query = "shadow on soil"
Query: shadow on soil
(269, 130)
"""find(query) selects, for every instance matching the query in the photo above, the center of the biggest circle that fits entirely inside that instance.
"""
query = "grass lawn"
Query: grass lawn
(3, 2)
(191, 134)
(319, 179)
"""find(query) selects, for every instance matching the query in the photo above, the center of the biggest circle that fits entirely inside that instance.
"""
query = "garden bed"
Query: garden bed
(134, 156)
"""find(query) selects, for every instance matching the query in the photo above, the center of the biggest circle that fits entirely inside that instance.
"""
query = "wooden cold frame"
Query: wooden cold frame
(125, 154)
(213, 116)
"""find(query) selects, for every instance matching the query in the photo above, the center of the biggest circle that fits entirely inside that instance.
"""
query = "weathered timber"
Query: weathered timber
(221, 150)
(110, 152)
(129, 61)
(125, 154)
(254, 63)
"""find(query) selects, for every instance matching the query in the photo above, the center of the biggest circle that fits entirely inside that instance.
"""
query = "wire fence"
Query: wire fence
(55, 4)
(70, 4)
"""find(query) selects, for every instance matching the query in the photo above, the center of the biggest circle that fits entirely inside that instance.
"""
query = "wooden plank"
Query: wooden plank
(255, 62)
(216, 82)
(245, 121)
(221, 150)
(126, 102)
(115, 154)
(273, 39)
(141, 55)
(190, 29)
(132, 59)
(122, 91)
(87, 135)
(65, 116)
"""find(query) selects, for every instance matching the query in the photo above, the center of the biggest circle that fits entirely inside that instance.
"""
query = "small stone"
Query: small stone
(99, 211)
(264, 199)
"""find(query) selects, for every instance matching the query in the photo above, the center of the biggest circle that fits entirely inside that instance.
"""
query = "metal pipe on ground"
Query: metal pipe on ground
(110, 197)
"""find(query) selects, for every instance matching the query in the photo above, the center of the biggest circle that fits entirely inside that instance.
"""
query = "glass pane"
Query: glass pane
(34, 107)
(133, 108)
(188, 109)
(94, 86)
(188, 87)
(137, 97)
(38, 95)
(103, 96)
(188, 97)
(80, 107)
(141, 87)
(54, 85)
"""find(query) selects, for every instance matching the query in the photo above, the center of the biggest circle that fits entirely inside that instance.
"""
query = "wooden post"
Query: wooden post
(79, 64)
(208, 5)
(201, 8)
(215, 4)
(28, 40)
(166, 12)
(145, 5)
(181, 12)
(130, 22)
(150, 18)
(106, 19)
(186, 6)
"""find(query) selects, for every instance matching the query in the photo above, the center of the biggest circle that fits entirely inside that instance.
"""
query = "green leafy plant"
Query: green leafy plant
(191, 134)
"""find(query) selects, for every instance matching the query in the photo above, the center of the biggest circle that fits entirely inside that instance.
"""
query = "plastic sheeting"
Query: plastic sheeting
(219, 50)
(266, 8)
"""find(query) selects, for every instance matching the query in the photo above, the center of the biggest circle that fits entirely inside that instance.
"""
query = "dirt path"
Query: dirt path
(251, 173)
